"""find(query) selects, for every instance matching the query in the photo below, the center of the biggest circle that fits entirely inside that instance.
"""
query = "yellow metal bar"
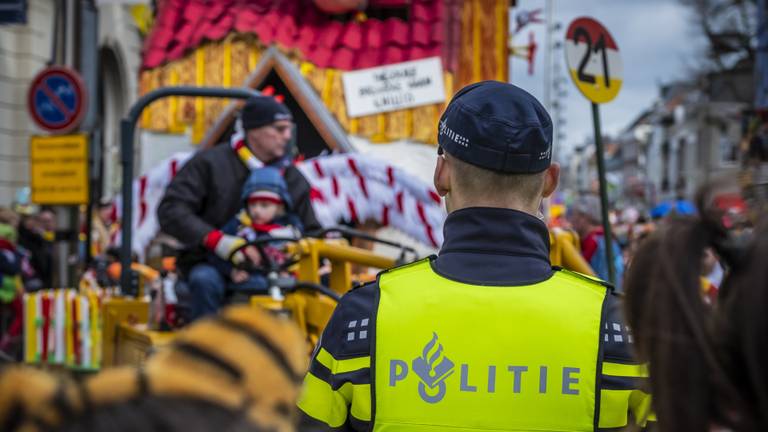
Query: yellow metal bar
(341, 276)
(351, 254)
(318, 313)
(309, 264)
(309, 310)
(115, 312)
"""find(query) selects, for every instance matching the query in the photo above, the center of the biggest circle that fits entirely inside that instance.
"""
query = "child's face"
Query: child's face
(263, 211)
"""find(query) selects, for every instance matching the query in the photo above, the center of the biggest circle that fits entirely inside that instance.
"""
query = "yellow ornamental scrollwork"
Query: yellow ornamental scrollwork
(231, 61)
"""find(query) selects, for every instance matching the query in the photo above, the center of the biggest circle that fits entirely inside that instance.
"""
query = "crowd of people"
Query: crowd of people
(26, 265)
(678, 339)
(27, 237)
(630, 227)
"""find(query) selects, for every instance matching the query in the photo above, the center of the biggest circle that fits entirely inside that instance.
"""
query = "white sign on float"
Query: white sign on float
(394, 87)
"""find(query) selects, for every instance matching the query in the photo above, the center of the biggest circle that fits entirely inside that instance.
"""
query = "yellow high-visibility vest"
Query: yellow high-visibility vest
(460, 357)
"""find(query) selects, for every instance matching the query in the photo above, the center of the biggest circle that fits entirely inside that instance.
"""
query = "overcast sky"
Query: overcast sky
(657, 41)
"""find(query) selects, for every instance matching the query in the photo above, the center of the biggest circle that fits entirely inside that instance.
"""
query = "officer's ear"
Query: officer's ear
(442, 177)
(551, 179)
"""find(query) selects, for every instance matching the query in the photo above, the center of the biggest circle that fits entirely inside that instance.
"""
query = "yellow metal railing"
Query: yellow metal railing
(341, 256)
(127, 339)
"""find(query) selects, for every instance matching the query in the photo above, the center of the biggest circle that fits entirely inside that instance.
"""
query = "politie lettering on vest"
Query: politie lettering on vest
(432, 368)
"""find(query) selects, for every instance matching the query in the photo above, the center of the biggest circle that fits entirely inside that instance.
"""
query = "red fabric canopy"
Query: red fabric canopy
(182, 25)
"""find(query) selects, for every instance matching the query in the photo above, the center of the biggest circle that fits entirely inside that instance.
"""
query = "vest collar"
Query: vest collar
(493, 246)
(495, 231)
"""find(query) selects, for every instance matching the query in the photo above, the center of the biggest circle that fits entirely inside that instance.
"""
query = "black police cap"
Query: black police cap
(499, 127)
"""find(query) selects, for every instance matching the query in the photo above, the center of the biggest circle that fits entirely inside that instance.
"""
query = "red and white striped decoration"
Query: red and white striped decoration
(345, 187)
(148, 191)
(358, 188)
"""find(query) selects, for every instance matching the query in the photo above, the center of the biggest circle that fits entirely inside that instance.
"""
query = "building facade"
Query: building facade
(27, 46)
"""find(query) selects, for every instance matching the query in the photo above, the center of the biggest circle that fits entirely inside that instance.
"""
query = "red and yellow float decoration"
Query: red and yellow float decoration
(218, 43)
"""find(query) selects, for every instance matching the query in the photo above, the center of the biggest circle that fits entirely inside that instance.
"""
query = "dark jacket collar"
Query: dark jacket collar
(494, 246)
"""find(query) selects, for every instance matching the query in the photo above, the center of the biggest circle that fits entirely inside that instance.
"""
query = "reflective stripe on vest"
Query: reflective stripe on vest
(460, 357)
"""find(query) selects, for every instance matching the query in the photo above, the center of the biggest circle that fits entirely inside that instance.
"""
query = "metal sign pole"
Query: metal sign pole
(607, 235)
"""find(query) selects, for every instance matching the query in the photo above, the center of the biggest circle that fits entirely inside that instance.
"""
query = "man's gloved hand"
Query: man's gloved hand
(223, 245)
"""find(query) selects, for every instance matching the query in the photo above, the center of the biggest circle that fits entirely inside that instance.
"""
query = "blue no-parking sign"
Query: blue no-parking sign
(57, 99)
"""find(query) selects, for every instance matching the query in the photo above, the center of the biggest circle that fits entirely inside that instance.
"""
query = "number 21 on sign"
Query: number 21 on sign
(593, 60)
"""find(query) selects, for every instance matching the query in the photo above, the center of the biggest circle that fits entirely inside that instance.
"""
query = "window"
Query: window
(13, 11)
(665, 166)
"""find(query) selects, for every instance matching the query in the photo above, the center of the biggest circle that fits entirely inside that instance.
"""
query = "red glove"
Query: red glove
(223, 245)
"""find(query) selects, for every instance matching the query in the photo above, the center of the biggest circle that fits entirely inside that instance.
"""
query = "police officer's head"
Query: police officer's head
(268, 127)
(495, 147)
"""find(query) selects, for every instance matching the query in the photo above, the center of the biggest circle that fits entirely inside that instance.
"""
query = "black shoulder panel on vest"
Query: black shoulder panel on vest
(618, 342)
(348, 332)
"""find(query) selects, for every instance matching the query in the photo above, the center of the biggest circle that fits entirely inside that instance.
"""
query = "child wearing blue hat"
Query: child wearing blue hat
(267, 212)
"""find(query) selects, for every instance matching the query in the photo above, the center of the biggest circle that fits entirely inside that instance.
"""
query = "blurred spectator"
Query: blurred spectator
(47, 218)
(758, 145)
(238, 372)
(711, 268)
(586, 219)
(706, 363)
(11, 287)
(102, 228)
(638, 232)
(36, 235)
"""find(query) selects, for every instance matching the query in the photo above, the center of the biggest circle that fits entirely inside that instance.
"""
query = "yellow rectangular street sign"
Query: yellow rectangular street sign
(59, 169)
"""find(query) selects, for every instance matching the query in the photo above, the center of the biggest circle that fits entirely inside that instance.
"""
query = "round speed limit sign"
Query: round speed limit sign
(593, 60)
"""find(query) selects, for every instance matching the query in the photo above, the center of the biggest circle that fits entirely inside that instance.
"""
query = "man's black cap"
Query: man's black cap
(263, 110)
(499, 127)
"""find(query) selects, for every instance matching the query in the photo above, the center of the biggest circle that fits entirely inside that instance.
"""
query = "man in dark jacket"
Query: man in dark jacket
(206, 192)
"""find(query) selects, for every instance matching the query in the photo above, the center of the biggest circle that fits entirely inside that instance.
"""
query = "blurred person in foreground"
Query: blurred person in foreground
(586, 219)
(707, 362)
(239, 371)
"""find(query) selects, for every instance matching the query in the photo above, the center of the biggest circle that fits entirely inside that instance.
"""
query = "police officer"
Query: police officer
(487, 335)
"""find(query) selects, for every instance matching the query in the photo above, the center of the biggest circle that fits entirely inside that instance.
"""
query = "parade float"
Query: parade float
(368, 78)
(368, 156)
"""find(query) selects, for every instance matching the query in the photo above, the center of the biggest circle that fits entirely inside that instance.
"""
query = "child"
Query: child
(266, 213)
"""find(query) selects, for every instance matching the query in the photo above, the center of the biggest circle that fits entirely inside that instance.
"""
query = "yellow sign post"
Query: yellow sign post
(59, 169)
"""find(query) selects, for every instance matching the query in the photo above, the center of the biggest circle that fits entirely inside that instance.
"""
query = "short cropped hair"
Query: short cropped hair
(481, 183)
